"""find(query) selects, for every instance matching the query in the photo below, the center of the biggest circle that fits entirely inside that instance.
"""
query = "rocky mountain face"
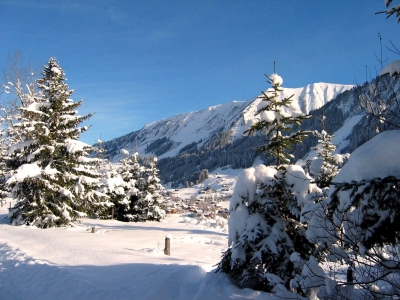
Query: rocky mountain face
(187, 143)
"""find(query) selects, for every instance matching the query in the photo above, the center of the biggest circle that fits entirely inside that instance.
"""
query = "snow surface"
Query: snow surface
(24, 171)
(339, 139)
(118, 261)
(393, 69)
(379, 157)
(276, 79)
(56, 70)
(75, 146)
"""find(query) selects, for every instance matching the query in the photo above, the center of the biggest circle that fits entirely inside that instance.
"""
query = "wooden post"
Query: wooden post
(167, 250)
(349, 275)
(112, 212)
(94, 229)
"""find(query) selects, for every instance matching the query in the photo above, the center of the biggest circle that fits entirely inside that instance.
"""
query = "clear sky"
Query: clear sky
(135, 62)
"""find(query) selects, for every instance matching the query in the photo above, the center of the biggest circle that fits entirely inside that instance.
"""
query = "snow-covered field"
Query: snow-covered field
(119, 261)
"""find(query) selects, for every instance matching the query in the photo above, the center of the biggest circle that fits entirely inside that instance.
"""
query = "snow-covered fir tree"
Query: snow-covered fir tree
(150, 202)
(130, 172)
(275, 118)
(268, 245)
(265, 229)
(326, 165)
(54, 181)
(112, 183)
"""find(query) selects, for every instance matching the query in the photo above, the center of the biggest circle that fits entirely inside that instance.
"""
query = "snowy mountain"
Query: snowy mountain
(171, 136)
(211, 138)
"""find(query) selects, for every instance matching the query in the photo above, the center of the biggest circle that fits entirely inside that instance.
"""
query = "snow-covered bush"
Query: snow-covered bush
(268, 245)
(112, 184)
(357, 222)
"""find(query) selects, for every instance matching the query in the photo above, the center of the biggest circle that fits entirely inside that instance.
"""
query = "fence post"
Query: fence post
(167, 250)
(94, 229)
(112, 212)
(349, 275)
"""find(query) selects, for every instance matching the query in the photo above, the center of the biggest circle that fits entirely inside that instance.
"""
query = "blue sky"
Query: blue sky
(135, 62)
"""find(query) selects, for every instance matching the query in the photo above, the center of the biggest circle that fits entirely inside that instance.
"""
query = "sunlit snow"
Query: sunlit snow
(393, 69)
(379, 157)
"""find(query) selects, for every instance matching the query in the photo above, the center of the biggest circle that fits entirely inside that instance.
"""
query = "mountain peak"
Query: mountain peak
(167, 137)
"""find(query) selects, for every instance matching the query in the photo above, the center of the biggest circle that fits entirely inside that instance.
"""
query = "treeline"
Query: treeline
(188, 165)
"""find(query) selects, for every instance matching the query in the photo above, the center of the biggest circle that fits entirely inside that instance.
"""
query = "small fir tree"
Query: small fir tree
(112, 183)
(327, 165)
(151, 199)
(130, 171)
(266, 229)
(54, 180)
(275, 118)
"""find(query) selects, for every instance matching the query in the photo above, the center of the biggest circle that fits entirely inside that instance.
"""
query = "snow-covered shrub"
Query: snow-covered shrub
(268, 245)
(357, 220)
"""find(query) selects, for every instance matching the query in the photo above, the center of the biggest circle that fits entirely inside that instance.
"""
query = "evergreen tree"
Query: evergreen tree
(275, 118)
(112, 183)
(130, 172)
(327, 165)
(151, 198)
(203, 175)
(54, 180)
(266, 232)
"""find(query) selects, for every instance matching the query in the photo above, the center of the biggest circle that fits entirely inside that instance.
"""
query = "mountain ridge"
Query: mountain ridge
(167, 137)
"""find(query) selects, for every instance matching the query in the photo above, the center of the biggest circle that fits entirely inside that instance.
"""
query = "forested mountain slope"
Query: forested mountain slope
(211, 138)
